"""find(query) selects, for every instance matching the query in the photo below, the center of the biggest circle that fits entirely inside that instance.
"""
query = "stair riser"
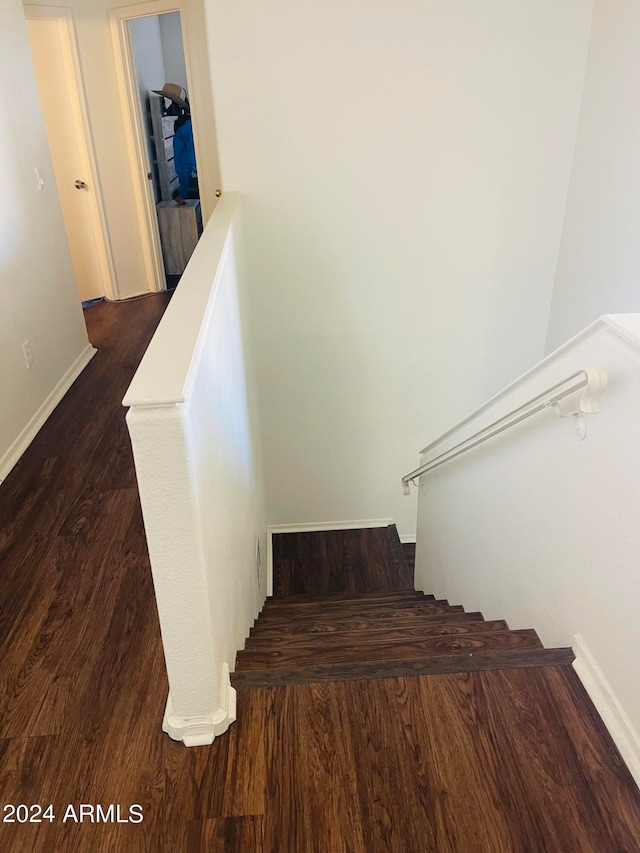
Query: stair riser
(258, 659)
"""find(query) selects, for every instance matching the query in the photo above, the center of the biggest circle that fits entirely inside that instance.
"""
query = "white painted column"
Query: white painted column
(201, 702)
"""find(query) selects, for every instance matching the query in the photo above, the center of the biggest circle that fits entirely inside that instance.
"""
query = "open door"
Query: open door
(57, 75)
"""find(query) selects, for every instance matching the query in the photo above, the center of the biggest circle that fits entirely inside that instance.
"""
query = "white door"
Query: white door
(68, 152)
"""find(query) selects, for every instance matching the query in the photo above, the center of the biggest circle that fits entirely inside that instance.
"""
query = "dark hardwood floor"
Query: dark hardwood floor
(341, 561)
(509, 760)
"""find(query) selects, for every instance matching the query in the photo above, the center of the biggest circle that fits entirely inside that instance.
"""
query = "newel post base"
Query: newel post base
(202, 730)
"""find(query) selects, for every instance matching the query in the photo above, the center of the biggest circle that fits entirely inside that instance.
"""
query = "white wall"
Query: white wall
(148, 57)
(405, 169)
(148, 54)
(599, 262)
(158, 51)
(172, 49)
(196, 442)
(37, 288)
(541, 529)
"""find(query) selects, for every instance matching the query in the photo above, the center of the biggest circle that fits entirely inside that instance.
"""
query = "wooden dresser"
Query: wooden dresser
(180, 227)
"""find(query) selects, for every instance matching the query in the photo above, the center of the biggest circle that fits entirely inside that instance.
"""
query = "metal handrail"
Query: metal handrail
(593, 380)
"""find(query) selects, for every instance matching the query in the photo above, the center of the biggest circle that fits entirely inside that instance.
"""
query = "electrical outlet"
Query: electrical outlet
(28, 355)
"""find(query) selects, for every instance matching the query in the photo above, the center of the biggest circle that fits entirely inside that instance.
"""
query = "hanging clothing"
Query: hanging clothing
(184, 157)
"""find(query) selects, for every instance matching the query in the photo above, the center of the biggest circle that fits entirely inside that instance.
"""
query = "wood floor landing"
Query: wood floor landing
(340, 561)
(488, 762)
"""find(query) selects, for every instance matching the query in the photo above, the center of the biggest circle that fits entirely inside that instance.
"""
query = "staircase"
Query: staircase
(338, 636)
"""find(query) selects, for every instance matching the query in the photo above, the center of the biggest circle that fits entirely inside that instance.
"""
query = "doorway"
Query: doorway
(124, 26)
(61, 95)
(159, 66)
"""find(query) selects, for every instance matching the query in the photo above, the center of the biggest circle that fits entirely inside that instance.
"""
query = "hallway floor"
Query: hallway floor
(509, 760)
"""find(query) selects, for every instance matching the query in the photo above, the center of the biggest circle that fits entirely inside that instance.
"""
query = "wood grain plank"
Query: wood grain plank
(256, 658)
(329, 626)
(335, 561)
(370, 611)
(336, 597)
(227, 835)
(430, 664)
(375, 635)
(307, 741)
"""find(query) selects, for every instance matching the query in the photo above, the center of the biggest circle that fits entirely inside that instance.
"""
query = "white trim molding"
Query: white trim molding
(408, 539)
(313, 527)
(32, 428)
(607, 705)
(202, 731)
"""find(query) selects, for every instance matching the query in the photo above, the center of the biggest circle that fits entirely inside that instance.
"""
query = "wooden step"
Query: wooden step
(381, 595)
(323, 626)
(336, 603)
(429, 665)
(394, 649)
(354, 609)
(421, 628)
(333, 604)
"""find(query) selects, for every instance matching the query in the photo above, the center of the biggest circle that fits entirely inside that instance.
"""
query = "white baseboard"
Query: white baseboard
(26, 436)
(613, 715)
(313, 527)
(202, 730)
(408, 539)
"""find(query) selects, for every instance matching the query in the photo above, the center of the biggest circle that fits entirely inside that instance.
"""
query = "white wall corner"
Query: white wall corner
(313, 527)
(31, 429)
(202, 730)
(607, 705)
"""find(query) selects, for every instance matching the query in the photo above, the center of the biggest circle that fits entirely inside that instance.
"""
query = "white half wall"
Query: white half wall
(599, 262)
(404, 169)
(38, 296)
(196, 443)
(541, 529)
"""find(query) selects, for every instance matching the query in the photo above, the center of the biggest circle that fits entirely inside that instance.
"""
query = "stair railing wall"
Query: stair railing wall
(195, 438)
(541, 525)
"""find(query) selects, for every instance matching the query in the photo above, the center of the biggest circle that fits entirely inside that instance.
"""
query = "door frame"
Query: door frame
(134, 131)
(80, 117)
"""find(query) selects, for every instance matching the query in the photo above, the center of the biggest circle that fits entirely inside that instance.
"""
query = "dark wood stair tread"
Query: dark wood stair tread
(407, 647)
(374, 595)
(323, 626)
(338, 639)
(345, 608)
(429, 665)
(354, 609)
